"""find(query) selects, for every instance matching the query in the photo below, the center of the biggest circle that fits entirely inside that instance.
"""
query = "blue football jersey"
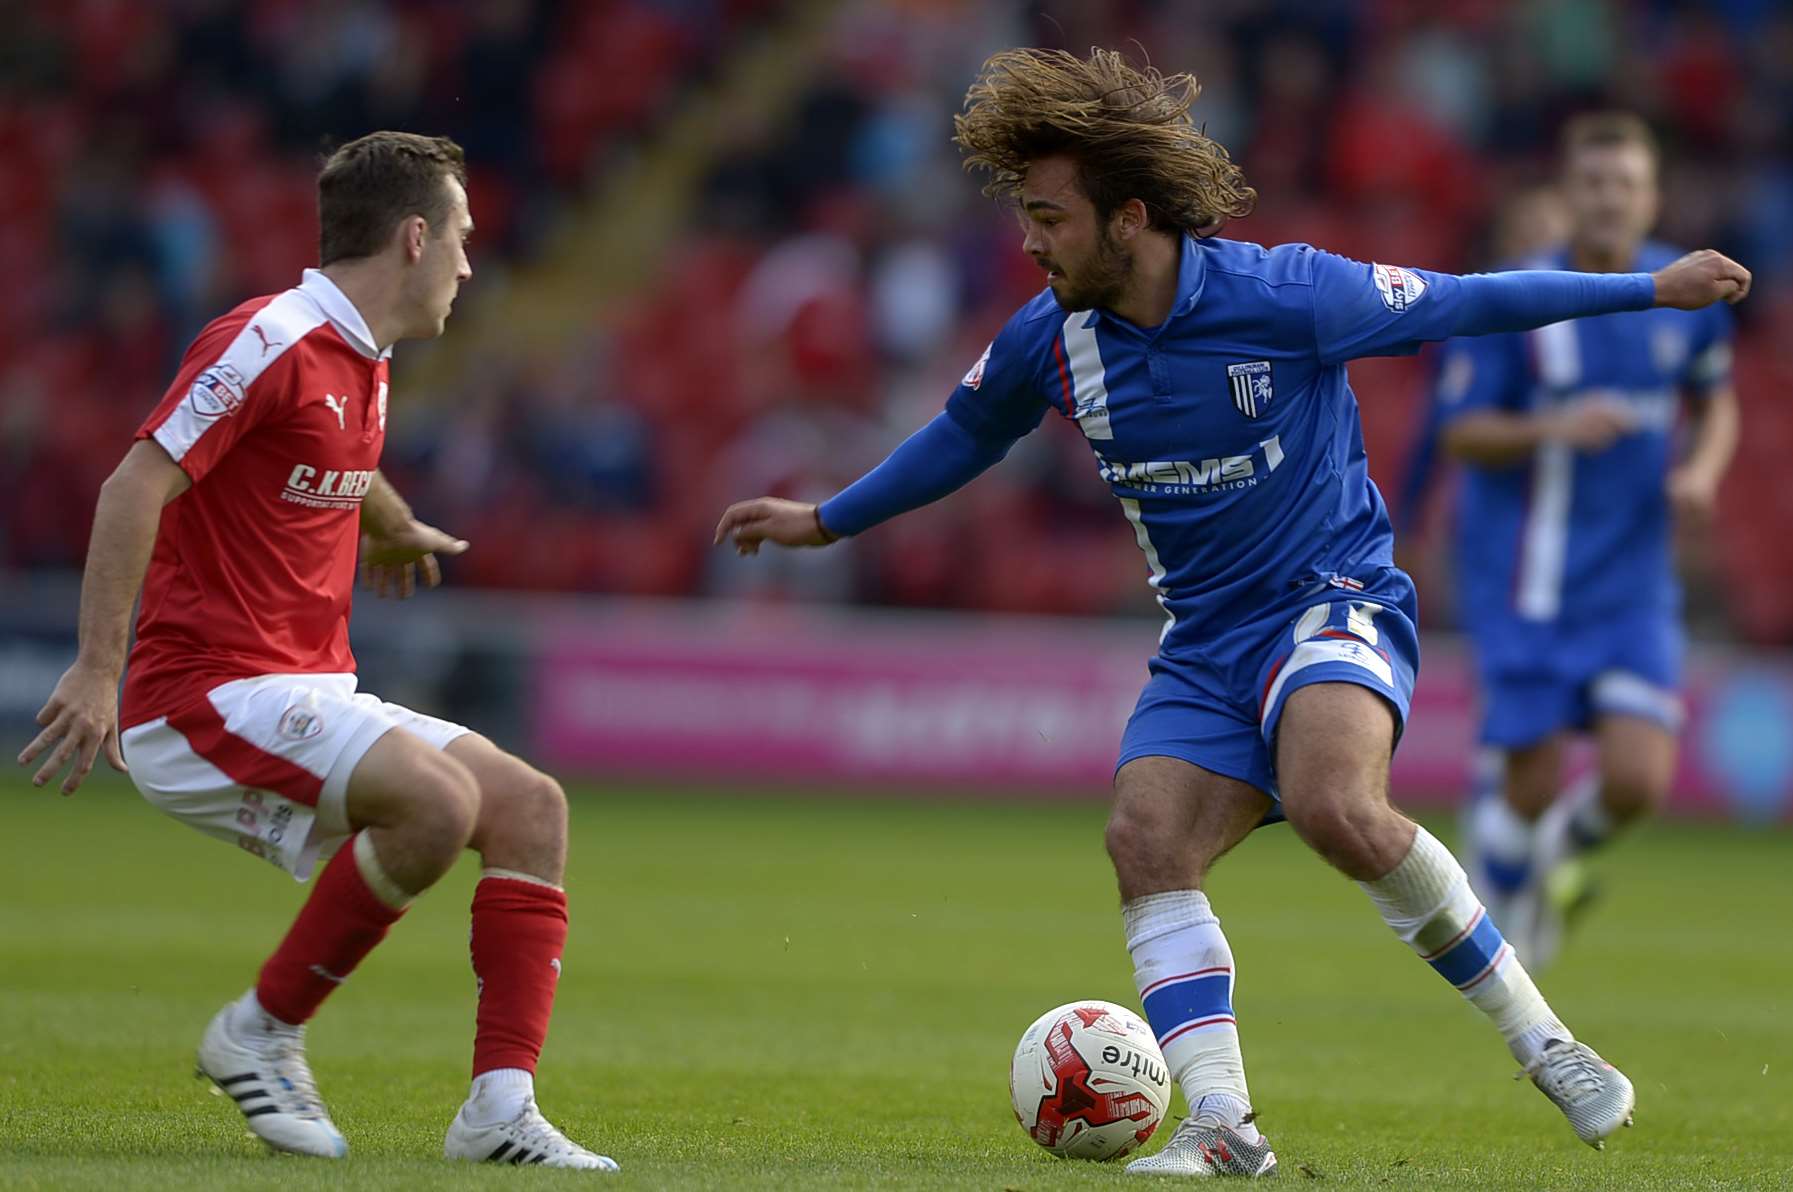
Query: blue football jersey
(1569, 540)
(1229, 433)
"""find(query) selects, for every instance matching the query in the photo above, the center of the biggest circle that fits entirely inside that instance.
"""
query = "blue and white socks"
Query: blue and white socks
(1576, 823)
(1504, 844)
(1513, 851)
(1427, 901)
(1183, 970)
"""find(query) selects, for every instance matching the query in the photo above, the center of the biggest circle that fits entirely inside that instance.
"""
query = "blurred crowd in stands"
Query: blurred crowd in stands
(839, 273)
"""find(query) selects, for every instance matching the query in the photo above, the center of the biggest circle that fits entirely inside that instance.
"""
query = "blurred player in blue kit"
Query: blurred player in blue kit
(1209, 378)
(1564, 565)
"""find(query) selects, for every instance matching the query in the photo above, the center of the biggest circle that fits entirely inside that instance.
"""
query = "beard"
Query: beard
(1101, 282)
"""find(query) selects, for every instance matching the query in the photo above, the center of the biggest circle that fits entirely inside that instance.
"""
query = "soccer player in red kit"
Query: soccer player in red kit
(244, 498)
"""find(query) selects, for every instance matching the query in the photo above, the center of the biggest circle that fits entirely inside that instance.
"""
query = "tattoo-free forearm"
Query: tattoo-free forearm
(383, 511)
(1495, 438)
(124, 534)
(1716, 426)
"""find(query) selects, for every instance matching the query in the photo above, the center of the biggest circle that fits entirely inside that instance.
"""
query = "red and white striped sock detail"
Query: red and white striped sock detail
(1427, 901)
(1177, 945)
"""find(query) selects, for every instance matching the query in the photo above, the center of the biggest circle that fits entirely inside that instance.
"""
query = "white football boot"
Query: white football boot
(1595, 1096)
(263, 1070)
(527, 1138)
(1206, 1146)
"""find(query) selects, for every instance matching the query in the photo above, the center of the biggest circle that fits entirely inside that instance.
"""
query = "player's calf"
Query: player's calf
(415, 809)
(519, 933)
(1424, 895)
(1171, 821)
(254, 1050)
(1637, 765)
(1427, 901)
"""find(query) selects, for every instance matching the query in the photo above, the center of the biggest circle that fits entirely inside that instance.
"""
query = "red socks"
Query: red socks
(339, 924)
(519, 931)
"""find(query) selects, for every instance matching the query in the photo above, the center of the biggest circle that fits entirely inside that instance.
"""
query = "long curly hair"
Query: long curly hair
(1128, 128)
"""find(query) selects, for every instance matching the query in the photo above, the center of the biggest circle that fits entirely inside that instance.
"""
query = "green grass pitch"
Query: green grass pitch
(776, 993)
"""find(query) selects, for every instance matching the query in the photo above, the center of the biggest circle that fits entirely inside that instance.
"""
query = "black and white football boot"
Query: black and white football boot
(260, 1064)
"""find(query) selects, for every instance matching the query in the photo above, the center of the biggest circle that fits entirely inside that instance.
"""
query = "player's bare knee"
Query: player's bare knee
(1362, 838)
(1121, 841)
(446, 806)
(543, 807)
(1323, 826)
(1136, 838)
(523, 815)
(1533, 777)
(548, 800)
(1152, 855)
(1628, 794)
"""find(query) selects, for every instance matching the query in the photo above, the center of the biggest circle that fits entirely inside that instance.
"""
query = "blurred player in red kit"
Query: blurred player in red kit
(239, 511)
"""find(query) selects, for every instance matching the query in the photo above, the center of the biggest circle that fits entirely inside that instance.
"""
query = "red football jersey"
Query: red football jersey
(278, 415)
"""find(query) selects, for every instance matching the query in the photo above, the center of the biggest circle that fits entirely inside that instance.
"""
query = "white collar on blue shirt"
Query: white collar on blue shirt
(317, 286)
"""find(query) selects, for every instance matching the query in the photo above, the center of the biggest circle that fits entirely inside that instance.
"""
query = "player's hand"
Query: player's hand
(80, 719)
(390, 562)
(1592, 423)
(1699, 279)
(770, 519)
(1693, 494)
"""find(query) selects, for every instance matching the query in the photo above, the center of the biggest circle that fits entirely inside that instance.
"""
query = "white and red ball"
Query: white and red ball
(1088, 1081)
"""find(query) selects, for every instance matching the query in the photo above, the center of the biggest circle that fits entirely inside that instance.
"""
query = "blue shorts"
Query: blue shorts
(1220, 709)
(1539, 680)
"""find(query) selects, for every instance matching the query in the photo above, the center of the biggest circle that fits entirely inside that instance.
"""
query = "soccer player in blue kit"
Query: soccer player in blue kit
(1564, 570)
(1209, 379)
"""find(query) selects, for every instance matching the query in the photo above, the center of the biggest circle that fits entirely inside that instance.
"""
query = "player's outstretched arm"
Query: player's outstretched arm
(938, 459)
(81, 717)
(1519, 301)
(1376, 310)
(395, 546)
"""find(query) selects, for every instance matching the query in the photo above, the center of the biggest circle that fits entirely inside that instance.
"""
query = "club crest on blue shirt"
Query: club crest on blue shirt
(1252, 388)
